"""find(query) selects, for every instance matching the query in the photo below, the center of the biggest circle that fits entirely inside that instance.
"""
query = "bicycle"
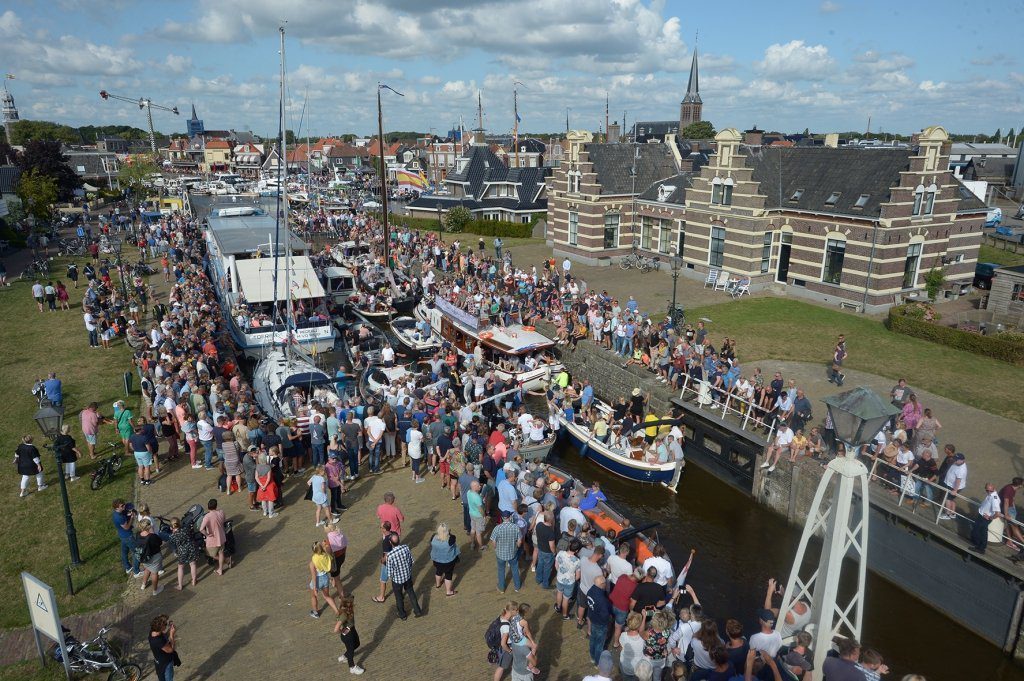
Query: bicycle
(639, 261)
(69, 247)
(37, 269)
(95, 656)
(107, 468)
(676, 316)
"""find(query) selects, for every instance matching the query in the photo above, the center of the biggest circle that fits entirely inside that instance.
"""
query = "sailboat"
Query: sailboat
(287, 378)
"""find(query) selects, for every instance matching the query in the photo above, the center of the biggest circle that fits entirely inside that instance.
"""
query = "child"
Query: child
(519, 635)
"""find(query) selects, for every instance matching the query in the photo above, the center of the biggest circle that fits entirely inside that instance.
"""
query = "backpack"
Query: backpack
(492, 637)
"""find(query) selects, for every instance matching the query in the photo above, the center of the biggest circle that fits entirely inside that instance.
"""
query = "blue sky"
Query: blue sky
(824, 65)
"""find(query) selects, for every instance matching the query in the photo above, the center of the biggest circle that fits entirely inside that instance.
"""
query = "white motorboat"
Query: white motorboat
(282, 380)
(414, 339)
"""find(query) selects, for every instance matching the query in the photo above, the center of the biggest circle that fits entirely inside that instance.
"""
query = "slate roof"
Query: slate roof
(820, 171)
(998, 170)
(92, 162)
(483, 164)
(9, 179)
(643, 130)
(529, 145)
(680, 183)
(613, 164)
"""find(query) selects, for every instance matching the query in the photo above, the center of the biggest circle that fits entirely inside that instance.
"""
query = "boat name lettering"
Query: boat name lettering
(460, 315)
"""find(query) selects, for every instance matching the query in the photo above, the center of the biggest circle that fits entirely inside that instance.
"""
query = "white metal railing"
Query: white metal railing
(744, 410)
(914, 489)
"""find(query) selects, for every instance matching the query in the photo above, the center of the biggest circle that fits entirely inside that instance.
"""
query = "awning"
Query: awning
(90, 188)
(256, 279)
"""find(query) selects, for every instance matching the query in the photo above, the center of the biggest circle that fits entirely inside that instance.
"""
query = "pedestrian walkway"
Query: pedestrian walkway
(255, 618)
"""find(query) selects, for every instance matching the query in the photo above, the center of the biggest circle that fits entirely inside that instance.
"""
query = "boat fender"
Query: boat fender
(486, 335)
(583, 451)
(529, 328)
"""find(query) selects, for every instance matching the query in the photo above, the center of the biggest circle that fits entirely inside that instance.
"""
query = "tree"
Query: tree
(457, 219)
(38, 193)
(933, 282)
(46, 158)
(24, 131)
(8, 156)
(1010, 136)
(701, 130)
(998, 136)
(133, 176)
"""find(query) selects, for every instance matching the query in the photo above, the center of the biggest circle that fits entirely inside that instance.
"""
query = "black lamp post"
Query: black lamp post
(49, 419)
(857, 416)
(440, 224)
(677, 265)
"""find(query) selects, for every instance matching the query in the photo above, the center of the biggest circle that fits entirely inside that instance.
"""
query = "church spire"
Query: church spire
(693, 87)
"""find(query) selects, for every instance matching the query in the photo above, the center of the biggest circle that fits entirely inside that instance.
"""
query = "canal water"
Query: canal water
(740, 545)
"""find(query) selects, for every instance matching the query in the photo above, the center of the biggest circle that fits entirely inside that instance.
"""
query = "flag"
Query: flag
(518, 119)
(411, 180)
(9, 76)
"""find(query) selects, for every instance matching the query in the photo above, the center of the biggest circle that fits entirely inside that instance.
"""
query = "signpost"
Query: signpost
(42, 608)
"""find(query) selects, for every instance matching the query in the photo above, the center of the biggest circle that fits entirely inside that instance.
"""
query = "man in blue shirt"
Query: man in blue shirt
(53, 389)
(508, 496)
(122, 519)
(587, 395)
(592, 497)
(599, 613)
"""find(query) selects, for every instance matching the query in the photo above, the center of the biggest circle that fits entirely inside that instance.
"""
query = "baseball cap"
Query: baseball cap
(505, 514)
(766, 615)
(959, 457)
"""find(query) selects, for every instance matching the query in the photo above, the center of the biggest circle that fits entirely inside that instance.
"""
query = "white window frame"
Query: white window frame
(574, 227)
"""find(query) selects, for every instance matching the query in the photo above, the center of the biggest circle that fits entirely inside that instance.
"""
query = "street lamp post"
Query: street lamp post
(677, 265)
(857, 416)
(49, 419)
(440, 225)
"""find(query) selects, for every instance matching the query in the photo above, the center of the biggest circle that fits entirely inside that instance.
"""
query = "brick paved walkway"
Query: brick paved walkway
(255, 618)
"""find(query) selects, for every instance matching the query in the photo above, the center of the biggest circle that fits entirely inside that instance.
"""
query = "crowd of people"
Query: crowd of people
(634, 605)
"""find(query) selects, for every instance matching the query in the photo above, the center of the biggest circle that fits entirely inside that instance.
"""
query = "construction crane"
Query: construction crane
(148, 105)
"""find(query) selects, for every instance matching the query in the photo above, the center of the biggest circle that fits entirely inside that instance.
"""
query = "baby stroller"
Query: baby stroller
(190, 523)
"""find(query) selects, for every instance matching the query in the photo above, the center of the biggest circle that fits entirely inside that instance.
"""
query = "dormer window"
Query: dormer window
(832, 199)
(929, 200)
(796, 195)
(862, 201)
(721, 191)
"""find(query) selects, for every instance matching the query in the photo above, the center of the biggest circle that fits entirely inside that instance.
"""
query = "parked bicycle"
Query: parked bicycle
(72, 246)
(37, 269)
(96, 656)
(676, 316)
(108, 467)
(639, 261)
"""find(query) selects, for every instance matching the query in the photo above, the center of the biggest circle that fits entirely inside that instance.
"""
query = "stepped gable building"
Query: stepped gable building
(855, 227)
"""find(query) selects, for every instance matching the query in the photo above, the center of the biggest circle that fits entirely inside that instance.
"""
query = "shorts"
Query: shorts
(154, 564)
(39, 299)
(91, 439)
(322, 580)
(384, 573)
(620, 616)
(504, 659)
(144, 458)
(477, 524)
(251, 486)
(214, 551)
(415, 465)
(444, 569)
(566, 590)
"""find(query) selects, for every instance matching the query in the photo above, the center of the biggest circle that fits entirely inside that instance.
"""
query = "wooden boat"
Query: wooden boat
(380, 311)
(628, 464)
(606, 518)
(339, 284)
(412, 338)
(506, 345)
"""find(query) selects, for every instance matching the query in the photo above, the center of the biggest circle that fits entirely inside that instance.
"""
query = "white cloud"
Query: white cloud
(177, 64)
(829, 7)
(10, 24)
(930, 86)
(796, 61)
(430, 80)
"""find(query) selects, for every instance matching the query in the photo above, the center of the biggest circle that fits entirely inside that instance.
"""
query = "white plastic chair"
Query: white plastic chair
(723, 281)
(740, 290)
(712, 279)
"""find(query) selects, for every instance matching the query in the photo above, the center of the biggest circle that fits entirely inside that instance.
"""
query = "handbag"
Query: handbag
(308, 496)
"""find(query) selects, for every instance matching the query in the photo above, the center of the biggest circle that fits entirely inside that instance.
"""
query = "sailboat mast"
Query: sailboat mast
(515, 125)
(284, 205)
(383, 182)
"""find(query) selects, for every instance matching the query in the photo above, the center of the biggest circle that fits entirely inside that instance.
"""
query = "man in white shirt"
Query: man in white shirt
(662, 564)
(566, 266)
(387, 356)
(619, 564)
(90, 326)
(783, 439)
(955, 481)
(765, 642)
(375, 427)
(987, 512)
(571, 512)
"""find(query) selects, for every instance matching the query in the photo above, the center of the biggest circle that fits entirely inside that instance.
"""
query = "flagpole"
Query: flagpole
(383, 182)
(515, 127)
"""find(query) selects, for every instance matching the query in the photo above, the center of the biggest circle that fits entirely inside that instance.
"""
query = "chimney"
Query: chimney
(753, 137)
(832, 140)
(694, 147)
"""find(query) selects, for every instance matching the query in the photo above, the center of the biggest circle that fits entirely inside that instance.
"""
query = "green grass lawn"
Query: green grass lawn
(993, 254)
(32, 671)
(32, 344)
(786, 329)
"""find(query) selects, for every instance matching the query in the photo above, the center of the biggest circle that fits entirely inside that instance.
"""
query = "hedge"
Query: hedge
(996, 347)
(511, 230)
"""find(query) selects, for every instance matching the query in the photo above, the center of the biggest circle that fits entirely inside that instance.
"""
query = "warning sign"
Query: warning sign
(42, 606)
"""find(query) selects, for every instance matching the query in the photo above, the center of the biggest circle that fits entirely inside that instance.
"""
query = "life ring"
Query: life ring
(529, 328)
(486, 335)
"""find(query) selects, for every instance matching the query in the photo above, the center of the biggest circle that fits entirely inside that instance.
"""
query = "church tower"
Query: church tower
(10, 113)
(690, 107)
(195, 125)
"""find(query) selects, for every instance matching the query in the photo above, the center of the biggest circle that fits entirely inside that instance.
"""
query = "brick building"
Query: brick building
(857, 227)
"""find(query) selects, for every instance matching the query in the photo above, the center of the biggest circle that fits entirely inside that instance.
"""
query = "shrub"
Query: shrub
(508, 230)
(457, 219)
(902, 320)
(933, 282)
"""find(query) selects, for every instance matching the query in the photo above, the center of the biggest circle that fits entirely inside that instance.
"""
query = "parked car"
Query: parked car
(984, 273)
(994, 217)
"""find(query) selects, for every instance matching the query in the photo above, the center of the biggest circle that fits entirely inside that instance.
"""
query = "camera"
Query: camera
(129, 508)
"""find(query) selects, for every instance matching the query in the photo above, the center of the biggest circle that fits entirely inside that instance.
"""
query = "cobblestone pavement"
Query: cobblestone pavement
(255, 618)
